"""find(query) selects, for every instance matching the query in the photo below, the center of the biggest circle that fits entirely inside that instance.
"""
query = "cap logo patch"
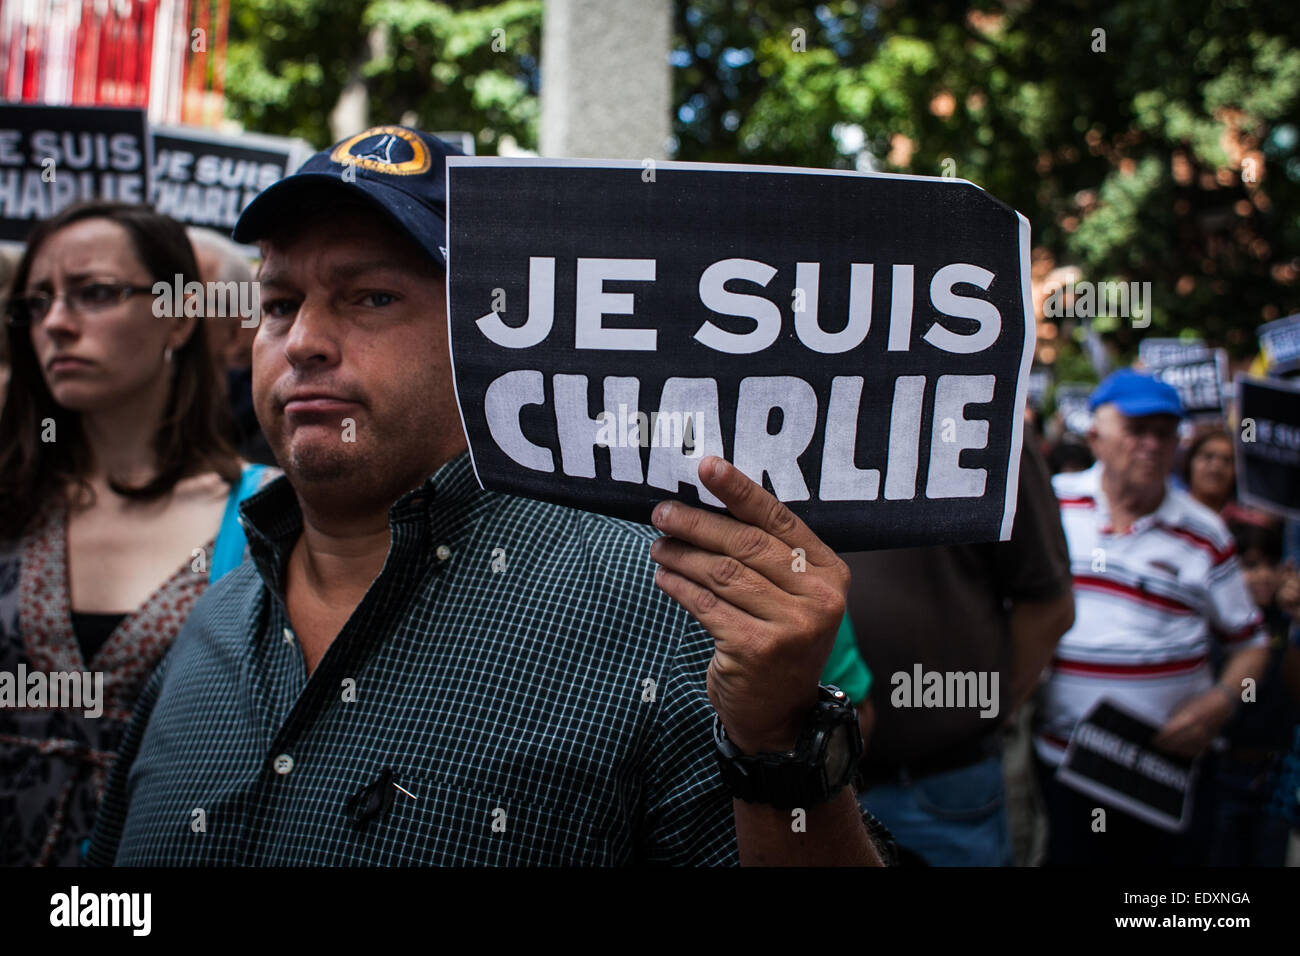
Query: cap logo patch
(384, 149)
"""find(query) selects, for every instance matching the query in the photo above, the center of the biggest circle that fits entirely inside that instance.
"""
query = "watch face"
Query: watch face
(839, 755)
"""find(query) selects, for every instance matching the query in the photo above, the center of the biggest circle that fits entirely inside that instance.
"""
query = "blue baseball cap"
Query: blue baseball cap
(1136, 394)
(399, 170)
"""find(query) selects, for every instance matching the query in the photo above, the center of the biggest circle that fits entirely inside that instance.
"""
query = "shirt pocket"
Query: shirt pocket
(446, 822)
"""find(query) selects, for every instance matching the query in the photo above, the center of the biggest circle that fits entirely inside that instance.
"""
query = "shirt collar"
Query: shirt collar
(445, 507)
(1164, 513)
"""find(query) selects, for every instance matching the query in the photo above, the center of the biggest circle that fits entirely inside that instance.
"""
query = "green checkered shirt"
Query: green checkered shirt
(513, 664)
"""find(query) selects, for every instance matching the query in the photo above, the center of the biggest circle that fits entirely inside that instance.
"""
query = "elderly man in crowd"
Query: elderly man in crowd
(1155, 580)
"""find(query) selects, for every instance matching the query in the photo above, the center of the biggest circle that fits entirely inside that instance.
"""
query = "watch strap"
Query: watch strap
(798, 777)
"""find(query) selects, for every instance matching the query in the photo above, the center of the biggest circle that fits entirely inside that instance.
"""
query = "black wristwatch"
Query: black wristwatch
(821, 764)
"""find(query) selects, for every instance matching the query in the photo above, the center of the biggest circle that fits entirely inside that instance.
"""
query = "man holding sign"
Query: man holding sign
(415, 670)
(1155, 579)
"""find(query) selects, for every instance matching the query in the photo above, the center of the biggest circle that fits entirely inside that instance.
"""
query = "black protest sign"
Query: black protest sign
(204, 179)
(1268, 444)
(1040, 382)
(860, 344)
(1198, 381)
(1072, 405)
(1110, 757)
(1153, 352)
(52, 156)
(1280, 342)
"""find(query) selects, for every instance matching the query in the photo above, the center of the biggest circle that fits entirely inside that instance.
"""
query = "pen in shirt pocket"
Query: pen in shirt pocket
(375, 799)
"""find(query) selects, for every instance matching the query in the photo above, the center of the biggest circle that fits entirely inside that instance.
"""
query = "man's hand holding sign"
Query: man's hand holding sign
(774, 620)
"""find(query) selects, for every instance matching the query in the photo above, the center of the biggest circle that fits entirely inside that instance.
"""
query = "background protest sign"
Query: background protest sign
(1155, 352)
(1072, 405)
(1198, 381)
(859, 343)
(1268, 444)
(1040, 382)
(1280, 342)
(206, 179)
(1110, 757)
(51, 156)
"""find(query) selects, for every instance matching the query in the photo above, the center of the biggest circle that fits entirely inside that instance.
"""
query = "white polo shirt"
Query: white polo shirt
(1146, 605)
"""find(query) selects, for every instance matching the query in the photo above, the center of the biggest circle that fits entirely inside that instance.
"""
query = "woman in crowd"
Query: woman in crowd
(1209, 470)
(117, 503)
(1248, 833)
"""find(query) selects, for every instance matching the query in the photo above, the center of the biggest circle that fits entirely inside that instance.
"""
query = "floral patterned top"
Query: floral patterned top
(54, 760)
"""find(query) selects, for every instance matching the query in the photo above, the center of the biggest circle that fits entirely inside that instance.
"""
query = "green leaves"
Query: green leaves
(1084, 143)
(1128, 163)
(453, 66)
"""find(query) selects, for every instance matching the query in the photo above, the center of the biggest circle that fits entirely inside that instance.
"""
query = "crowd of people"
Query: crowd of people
(304, 661)
(1183, 604)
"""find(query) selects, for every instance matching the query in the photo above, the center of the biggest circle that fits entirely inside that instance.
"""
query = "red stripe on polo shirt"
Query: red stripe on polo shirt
(1054, 740)
(1089, 582)
(1127, 670)
(1076, 502)
(1242, 633)
(1201, 541)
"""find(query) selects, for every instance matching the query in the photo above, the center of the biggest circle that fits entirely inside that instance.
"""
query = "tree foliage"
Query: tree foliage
(1149, 140)
(443, 66)
(1152, 140)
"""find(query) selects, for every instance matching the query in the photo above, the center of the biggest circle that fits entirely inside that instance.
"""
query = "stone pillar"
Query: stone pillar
(606, 83)
(351, 114)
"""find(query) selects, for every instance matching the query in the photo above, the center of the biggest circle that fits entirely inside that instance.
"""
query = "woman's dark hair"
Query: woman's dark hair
(1069, 456)
(190, 438)
(1185, 471)
(1266, 540)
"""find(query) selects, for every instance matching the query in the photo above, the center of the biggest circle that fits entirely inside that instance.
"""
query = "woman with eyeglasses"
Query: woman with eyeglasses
(118, 500)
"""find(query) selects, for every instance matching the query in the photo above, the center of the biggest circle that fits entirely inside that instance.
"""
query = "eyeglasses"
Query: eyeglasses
(87, 298)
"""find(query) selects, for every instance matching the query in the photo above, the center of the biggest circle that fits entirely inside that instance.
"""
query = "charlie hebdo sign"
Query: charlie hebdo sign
(860, 344)
(206, 179)
(52, 156)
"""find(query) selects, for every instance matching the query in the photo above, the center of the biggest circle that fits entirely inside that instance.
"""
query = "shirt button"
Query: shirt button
(443, 552)
(283, 764)
(288, 636)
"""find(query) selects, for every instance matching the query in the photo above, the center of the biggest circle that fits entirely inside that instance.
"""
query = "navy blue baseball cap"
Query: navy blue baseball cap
(399, 170)
(1136, 394)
